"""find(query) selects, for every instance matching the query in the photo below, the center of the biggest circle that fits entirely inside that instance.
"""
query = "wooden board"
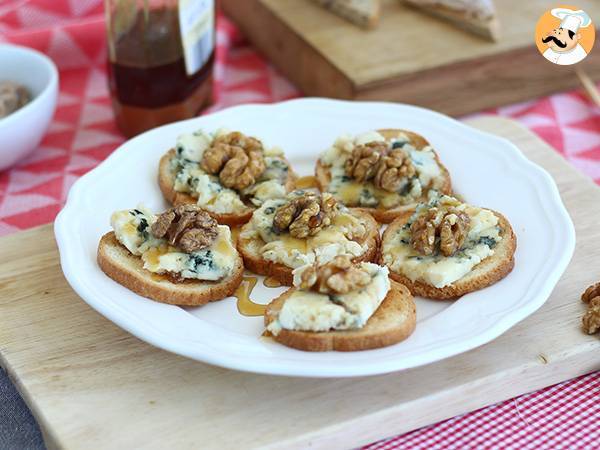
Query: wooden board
(410, 57)
(92, 385)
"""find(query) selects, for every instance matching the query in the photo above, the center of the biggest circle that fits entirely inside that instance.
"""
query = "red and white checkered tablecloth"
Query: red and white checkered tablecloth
(83, 133)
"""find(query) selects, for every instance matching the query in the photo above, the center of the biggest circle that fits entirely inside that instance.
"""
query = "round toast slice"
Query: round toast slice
(392, 322)
(128, 270)
(166, 180)
(489, 271)
(249, 248)
(383, 215)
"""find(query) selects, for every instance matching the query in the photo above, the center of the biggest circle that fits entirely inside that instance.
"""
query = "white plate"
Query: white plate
(486, 170)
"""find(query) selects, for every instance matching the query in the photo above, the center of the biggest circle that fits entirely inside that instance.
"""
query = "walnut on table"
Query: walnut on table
(450, 226)
(187, 227)
(590, 293)
(305, 215)
(339, 276)
(237, 159)
(591, 319)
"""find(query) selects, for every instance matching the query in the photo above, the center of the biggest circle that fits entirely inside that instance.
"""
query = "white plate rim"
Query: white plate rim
(543, 183)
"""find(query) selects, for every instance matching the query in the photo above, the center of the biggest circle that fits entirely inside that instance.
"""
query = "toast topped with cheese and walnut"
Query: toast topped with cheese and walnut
(304, 227)
(341, 306)
(447, 248)
(384, 172)
(228, 174)
(180, 257)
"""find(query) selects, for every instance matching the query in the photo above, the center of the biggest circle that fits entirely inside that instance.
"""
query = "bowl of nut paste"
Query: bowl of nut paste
(28, 92)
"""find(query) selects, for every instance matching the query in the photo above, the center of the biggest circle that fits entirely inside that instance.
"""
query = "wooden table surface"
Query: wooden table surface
(92, 385)
(410, 57)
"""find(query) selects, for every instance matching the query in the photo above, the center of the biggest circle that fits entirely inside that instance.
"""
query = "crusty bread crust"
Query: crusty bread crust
(166, 182)
(489, 271)
(382, 215)
(127, 269)
(394, 321)
(254, 262)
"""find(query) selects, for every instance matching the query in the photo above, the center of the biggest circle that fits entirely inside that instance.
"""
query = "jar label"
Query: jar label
(196, 22)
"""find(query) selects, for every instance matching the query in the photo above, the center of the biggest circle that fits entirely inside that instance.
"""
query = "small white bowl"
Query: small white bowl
(22, 131)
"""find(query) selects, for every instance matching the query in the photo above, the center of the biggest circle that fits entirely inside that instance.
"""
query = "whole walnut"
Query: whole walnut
(393, 170)
(305, 215)
(187, 227)
(591, 319)
(590, 293)
(448, 229)
(237, 159)
(362, 164)
(339, 276)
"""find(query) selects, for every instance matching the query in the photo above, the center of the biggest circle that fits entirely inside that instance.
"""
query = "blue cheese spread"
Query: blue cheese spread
(132, 230)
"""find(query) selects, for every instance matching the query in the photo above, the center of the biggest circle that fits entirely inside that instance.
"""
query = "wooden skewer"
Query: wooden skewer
(588, 85)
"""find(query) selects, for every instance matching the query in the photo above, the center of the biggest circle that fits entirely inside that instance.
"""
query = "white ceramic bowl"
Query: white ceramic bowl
(22, 131)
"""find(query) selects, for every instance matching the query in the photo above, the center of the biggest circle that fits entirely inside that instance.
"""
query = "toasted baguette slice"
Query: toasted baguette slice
(253, 260)
(127, 269)
(364, 13)
(486, 27)
(392, 322)
(489, 271)
(384, 215)
(166, 180)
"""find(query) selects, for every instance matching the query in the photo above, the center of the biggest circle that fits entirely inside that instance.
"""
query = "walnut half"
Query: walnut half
(393, 169)
(591, 319)
(339, 276)
(305, 215)
(237, 159)
(451, 227)
(388, 168)
(187, 227)
(362, 164)
(590, 293)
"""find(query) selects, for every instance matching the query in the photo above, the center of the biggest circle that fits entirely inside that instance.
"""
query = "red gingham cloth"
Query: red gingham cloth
(83, 133)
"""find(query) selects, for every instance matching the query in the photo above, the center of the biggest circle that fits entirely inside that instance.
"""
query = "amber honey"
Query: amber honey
(271, 282)
(235, 234)
(159, 277)
(307, 182)
(245, 305)
(148, 80)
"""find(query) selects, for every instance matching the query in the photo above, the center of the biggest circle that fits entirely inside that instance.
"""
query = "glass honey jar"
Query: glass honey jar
(160, 60)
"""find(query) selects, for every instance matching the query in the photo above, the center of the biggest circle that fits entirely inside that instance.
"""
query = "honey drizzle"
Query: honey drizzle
(458, 197)
(245, 305)
(235, 234)
(307, 182)
(271, 282)
(158, 277)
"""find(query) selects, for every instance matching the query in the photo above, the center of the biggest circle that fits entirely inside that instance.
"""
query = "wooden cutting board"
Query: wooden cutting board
(410, 57)
(92, 385)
